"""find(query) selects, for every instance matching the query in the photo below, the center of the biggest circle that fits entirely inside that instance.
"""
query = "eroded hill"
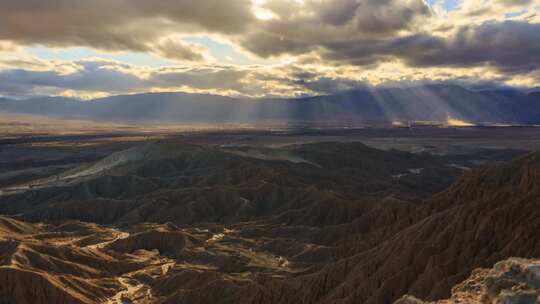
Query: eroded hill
(171, 222)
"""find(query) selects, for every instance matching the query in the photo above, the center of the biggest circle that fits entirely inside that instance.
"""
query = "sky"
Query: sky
(263, 48)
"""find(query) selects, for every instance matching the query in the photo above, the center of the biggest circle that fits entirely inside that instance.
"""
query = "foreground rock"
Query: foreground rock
(513, 281)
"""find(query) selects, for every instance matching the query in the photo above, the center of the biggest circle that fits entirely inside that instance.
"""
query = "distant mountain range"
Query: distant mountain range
(422, 103)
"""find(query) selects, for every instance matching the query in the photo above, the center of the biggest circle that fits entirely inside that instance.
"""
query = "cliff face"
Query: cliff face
(512, 281)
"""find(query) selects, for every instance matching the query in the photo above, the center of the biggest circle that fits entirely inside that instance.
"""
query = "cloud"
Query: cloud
(182, 51)
(512, 3)
(509, 46)
(6, 46)
(88, 78)
(119, 24)
(138, 25)
(323, 46)
(368, 32)
(365, 16)
(301, 27)
(199, 78)
(101, 76)
(91, 76)
(329, 85)
(478, 11)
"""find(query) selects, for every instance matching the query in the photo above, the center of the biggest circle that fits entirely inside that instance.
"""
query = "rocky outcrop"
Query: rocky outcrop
(513, 281)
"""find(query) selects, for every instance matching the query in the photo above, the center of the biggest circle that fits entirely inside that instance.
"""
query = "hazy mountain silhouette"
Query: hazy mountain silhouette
(426, 103)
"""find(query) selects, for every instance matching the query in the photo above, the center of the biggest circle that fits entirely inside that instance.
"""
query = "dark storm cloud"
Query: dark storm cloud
(117, 24)
(387, 16)
(364, 33)
(307, 27)
(509, 46)
(338, 14)
(359, 32)
(366, 16)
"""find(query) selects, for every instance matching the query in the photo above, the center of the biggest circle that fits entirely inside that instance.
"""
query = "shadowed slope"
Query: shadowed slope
(174, 181)
(466, 230)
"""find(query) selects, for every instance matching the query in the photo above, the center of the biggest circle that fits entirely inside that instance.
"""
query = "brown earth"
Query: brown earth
(170, 222)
